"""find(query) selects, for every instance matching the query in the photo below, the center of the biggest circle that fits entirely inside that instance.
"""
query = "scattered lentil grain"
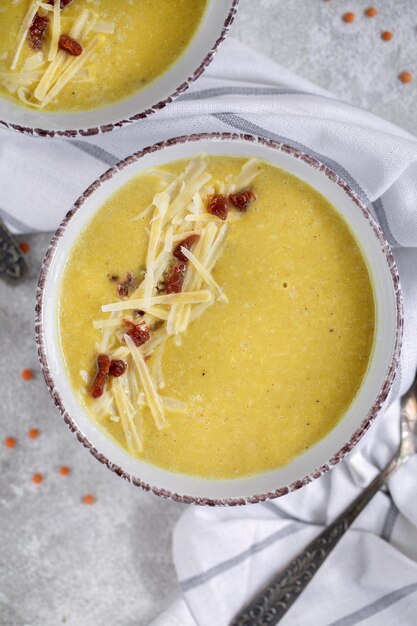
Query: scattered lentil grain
(406, 77)
(349, 17)
(27, 374)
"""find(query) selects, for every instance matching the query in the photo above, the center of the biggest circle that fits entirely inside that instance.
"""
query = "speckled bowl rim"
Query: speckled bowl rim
(373, 412)
(106, 128)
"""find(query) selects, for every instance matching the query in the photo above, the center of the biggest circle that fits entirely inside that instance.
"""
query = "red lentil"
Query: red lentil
(27, 374)
(349, 17)
(10, 442)
(406, 77)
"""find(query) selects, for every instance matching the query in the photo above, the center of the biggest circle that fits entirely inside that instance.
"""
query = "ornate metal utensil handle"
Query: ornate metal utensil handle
(271, 604)
(12, 264)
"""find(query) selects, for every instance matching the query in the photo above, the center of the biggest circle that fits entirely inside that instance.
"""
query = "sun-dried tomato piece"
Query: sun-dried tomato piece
(217, 206)
(99, 382)
(70, 46)
(188, 244)
(176, 277)
(243, 199)
(37, 31)
(125, 287)
(139, 333)
(117, 368)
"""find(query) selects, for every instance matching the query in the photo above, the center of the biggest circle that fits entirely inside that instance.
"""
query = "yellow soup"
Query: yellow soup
(267, 363)
(126, 45)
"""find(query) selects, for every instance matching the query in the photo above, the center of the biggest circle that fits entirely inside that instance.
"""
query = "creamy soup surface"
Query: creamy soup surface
(135, 41)
(263, 376)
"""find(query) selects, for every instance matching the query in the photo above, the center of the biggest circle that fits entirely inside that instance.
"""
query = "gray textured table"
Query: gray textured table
(110, 564)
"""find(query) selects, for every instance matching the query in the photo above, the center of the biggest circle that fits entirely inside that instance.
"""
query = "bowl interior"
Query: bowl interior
(188, 67)
(383, 359)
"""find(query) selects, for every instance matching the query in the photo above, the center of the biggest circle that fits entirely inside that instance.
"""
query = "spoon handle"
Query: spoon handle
(12, 264)
(272, 603)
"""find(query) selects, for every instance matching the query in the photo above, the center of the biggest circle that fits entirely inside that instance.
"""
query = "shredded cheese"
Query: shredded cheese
(33, 62)
(104, 27)
(154, 401)
(60, 61)
(177, 209)
(23, 31)
(71, 70)
(127, 415)
(248, 173)
(170, 404)
(184, 297)
(158, 373)
(206, 276)
(161, 203)
(56, 30)
(201, 217)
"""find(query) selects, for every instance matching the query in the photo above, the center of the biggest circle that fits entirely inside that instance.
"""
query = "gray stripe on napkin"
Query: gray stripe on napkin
(94, 151)
(376, 607)
(200, 579)
(216, 92)
(383, 220)
(390, 520)
(13, 222)
(240, 123)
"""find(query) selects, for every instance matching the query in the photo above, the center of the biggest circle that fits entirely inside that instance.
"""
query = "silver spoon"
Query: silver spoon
(273, 602)
(13, 266)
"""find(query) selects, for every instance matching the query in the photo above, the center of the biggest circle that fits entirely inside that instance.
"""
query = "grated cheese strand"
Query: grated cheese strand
(206, 276)
(247, 174)
(161, 203)
(71, 70)
(22, 94)
(158, 373)
(217, 248)
(202, 217)
(104, 27)
(190, 297)
(186, 195)
(170, 404)
(157, 338)
(200, 252)
(154, 401)
(177, 312)
(56, 31)
(33, 62)
(108, 337)
(23, 31)
(126, 414)
(60, 62)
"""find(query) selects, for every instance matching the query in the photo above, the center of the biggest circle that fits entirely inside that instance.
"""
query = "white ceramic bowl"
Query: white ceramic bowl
(375, 387)
(216, 22)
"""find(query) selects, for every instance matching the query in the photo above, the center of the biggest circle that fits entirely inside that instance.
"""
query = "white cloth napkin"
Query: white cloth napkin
(224, 556)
